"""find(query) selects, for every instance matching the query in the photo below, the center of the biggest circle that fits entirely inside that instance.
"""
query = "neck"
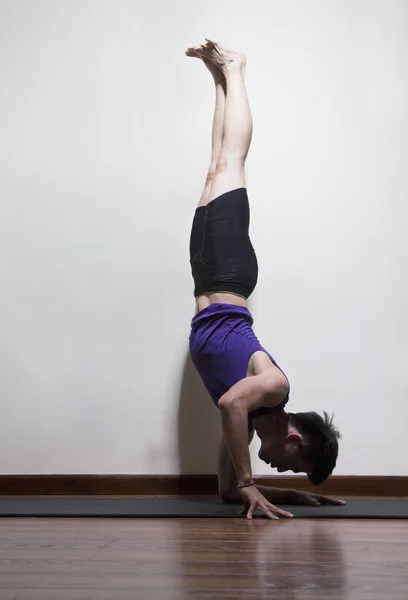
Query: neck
(272, 430)
(273, 425)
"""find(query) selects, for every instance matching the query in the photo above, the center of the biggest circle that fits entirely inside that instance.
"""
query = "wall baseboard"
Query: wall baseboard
(179, 485)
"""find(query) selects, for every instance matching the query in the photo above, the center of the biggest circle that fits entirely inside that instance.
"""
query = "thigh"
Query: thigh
(228, 214)
(226, 261)
(228, 177)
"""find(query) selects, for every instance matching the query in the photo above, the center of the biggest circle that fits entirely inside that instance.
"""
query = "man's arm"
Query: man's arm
(266, 389)
(227, 480)
(245, 396)
(227, 485)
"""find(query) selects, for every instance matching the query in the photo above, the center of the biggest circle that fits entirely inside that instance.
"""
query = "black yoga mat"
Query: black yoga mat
(187, 507)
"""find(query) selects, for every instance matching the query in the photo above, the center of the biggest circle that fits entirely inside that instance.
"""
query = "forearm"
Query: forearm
(235, 429)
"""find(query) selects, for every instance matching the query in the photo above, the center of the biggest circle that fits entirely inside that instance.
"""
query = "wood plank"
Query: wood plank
(202, 558)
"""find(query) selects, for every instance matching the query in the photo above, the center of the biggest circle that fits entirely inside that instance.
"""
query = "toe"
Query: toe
(210, 42)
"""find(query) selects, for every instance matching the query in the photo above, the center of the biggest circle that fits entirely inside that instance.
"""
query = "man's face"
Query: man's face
(287, 458)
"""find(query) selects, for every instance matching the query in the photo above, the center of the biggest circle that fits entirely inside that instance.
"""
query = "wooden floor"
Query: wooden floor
(217, 559)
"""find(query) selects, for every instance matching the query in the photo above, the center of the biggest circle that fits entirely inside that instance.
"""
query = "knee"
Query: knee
(218, 165)
(222, 163)
(211, 172)
(229, 161)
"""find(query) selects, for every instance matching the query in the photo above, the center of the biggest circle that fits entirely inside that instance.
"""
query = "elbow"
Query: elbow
(227, 404)
(232, 411)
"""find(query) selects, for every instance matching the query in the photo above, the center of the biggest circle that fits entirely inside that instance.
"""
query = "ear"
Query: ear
(295, 438)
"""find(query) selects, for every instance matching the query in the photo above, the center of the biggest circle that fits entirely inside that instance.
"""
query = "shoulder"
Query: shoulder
(259, 362)
(274, 382)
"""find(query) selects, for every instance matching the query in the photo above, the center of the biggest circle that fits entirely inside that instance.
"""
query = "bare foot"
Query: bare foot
(197, 52)
(222, 57)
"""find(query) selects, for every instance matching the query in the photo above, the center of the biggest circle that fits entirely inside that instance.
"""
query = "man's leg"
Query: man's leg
(230, 166)
(218, 120)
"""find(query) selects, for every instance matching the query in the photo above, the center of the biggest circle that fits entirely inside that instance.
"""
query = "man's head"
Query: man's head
(308, 443)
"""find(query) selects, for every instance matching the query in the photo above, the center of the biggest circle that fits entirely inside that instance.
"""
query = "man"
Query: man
(243, 380)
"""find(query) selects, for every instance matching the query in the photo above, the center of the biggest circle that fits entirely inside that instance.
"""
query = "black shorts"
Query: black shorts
(222, 257)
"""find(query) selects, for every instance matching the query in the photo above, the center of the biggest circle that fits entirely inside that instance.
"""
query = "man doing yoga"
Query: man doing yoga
(242, 378)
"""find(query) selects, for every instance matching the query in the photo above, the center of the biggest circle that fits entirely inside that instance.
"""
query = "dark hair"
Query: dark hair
(320, 444)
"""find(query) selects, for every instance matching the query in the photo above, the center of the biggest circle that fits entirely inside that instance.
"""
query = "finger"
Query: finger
(281, 513)
(250, 511)
(270, 509)
(326, 500)
(269, 513)
(245, 509)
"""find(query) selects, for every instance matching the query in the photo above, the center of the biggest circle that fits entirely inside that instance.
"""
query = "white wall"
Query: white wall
(105, 131)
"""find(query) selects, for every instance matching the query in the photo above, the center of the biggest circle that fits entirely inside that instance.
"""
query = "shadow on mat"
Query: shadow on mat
(199, 427)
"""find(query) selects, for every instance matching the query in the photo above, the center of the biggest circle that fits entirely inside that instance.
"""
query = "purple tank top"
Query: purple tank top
(222, 342)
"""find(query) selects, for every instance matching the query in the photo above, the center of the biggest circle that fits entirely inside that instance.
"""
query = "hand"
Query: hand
(309, 499)
(253, 499)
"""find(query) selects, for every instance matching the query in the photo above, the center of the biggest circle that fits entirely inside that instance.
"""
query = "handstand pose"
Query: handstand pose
(243, 380)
